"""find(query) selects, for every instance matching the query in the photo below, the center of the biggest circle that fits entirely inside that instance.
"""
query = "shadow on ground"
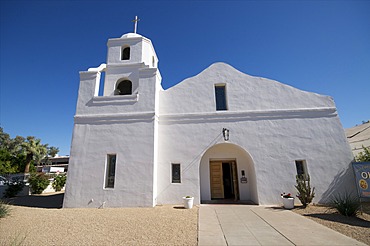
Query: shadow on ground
(54, 200)
(354, 221)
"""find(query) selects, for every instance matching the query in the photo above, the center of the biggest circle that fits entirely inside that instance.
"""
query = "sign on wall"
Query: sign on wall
(362, 174)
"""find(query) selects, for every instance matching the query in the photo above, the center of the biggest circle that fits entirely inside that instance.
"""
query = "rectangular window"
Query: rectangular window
(111, 171)
(220, 94)
(301, 168)
(176, 173)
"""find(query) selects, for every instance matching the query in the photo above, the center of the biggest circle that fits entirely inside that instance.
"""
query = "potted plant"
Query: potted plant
(288, 200)
(188, 201)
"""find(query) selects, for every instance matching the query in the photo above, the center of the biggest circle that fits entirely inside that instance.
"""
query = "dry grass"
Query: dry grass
(354, 227)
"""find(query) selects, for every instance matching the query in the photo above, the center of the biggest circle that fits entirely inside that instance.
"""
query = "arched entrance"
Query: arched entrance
(227, 173)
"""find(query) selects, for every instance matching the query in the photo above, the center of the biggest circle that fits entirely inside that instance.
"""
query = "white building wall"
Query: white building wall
(271, 125)
(86, 182)
(244, 93)
(275, 123)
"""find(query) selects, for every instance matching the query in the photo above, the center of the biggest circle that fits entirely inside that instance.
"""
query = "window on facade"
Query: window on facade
(301, 168)
(125, 53)
(176, 173)
(111, 171)
(220, 94)
(123, 88)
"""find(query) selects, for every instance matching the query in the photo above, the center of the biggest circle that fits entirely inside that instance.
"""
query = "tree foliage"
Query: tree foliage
(33, 150)
(20, 154)
(363, 156)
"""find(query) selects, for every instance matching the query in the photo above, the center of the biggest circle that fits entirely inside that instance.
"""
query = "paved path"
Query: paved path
(259, 225)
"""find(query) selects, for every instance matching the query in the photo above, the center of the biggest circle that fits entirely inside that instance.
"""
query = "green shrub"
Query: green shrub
(305, 193)
(347, 205)
(38, 182)
(363, 156)
(59, 182)
(13, 189)
(4, 209)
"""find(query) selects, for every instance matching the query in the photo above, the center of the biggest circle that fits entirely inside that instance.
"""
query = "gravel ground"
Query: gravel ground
(38, 220)
(162, 225)
(354, 227)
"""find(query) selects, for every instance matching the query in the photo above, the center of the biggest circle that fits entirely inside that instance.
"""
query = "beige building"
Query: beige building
(358, 137)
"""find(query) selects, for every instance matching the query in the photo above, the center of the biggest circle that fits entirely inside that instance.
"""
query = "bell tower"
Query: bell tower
(115, 135)
(126, 56)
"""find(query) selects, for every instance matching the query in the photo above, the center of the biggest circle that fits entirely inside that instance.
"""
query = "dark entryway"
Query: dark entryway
(224, 180)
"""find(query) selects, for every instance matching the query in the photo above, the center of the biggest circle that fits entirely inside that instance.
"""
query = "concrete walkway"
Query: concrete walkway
(259, 225)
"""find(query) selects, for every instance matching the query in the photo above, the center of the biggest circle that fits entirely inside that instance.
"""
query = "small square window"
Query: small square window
(301, 167)
(176, 173)
(220, 95)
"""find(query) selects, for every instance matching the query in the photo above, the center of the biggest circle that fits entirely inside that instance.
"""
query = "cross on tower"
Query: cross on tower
(135, 23)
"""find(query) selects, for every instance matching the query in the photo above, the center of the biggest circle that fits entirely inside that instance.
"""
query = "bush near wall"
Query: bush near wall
(363, 156)
(13, 189)
(59, 182)
(38, 182)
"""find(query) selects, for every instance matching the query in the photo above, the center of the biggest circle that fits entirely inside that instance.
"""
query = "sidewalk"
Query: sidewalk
(259, 225)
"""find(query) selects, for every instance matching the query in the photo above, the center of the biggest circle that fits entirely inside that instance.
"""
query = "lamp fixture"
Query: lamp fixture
(225, 133)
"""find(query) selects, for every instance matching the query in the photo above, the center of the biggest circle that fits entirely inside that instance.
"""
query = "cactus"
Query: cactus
(305, 194)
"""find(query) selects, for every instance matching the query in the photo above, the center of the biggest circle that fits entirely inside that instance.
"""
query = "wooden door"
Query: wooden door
(235, 180)
(217, 184)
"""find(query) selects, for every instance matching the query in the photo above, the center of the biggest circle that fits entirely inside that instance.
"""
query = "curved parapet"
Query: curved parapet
(101, 68)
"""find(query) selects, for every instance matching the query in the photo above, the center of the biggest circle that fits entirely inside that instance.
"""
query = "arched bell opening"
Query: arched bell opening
(123, 87)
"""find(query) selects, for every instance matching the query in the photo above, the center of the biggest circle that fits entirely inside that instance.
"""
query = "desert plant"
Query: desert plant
(38, 182)
(305, 193)
(59, 182)
(4, 209)
(346, 204)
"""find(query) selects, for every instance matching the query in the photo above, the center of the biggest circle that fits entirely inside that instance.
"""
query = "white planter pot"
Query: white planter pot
(188, 202)
(288, 202)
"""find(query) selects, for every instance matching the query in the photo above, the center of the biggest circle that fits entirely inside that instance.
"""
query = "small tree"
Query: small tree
(305, 193)
(33, 150)
(363, 156)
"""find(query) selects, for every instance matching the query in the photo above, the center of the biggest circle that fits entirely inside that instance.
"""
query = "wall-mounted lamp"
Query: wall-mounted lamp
(225, 133)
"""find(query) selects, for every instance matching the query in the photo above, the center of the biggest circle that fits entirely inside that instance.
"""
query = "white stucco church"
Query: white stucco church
(220, 135)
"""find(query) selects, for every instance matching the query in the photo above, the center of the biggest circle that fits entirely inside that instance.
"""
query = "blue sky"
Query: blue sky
(317, 46)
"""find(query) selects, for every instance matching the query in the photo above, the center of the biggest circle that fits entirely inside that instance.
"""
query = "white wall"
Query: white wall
(275, 123)
(271, 125)
(121, 125)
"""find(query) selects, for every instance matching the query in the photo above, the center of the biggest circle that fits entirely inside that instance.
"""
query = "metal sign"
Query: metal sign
(362, 174)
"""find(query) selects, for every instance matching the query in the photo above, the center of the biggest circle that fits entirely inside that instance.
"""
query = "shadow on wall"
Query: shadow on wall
(343, 183)
(38, 201)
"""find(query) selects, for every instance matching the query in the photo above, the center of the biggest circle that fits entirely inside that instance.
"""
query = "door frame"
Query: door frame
(234, 176)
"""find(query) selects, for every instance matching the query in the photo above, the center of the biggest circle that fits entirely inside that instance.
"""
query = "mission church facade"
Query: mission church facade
(220, 135)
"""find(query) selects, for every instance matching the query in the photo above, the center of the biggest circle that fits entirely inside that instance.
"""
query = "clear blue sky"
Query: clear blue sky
(317, 46)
